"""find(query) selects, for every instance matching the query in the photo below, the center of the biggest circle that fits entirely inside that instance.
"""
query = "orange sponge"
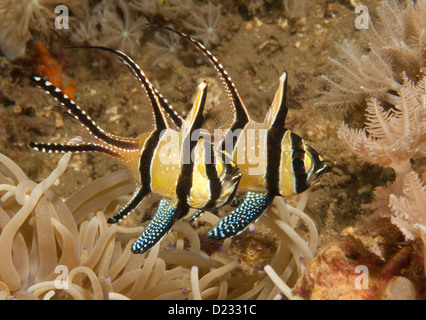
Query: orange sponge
(48, 67)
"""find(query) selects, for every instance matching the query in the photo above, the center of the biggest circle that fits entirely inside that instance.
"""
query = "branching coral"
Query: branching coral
(409, 210)
(389, 72)
(357, 75)
(206, 22)
(400, 35)
(18, 19)
(395, 43)
(51, 249)
(392, 138)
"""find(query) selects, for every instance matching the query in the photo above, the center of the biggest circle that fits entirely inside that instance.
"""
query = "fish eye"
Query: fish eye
(299, 162)
(298, 165)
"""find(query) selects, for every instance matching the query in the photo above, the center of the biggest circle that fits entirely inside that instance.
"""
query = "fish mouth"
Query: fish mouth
(317, 174)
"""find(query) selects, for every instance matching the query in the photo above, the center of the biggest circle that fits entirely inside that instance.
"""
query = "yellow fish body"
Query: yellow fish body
(194, 178)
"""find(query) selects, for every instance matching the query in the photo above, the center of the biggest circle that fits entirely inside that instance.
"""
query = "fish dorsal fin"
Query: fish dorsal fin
(195, 117)
(160, 117)
(278, 110)
(79, 115)
(241, 115)
(155, 97)
(192, 123)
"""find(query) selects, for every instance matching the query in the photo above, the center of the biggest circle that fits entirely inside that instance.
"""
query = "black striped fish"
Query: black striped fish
(199, 177)
(274, 160)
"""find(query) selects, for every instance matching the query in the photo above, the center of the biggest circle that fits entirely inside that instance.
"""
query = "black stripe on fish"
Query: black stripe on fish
(274, 148)
(298, 163)
(145, 164)
(184, 183)
(274, 140)
(146, 159)
(215, 186)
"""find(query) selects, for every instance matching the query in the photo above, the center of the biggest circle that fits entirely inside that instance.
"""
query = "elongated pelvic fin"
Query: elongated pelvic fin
(278, 110)
(82, 117)
(253, 206)
(137, 198)
(196, 215)
(234, 203)
(166, 215)
(146, 84)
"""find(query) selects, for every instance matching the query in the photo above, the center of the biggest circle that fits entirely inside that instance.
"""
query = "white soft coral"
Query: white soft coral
(207, 24)
(392, 138)
(409, 211)
(111, 24)
(18, 18)
(15, 18)
(121, 33)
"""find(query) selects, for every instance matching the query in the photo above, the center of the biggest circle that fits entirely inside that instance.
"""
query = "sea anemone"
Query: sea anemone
(55, 249)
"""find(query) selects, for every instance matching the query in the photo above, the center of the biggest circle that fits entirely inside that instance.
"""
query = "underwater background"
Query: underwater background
(337, 60)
